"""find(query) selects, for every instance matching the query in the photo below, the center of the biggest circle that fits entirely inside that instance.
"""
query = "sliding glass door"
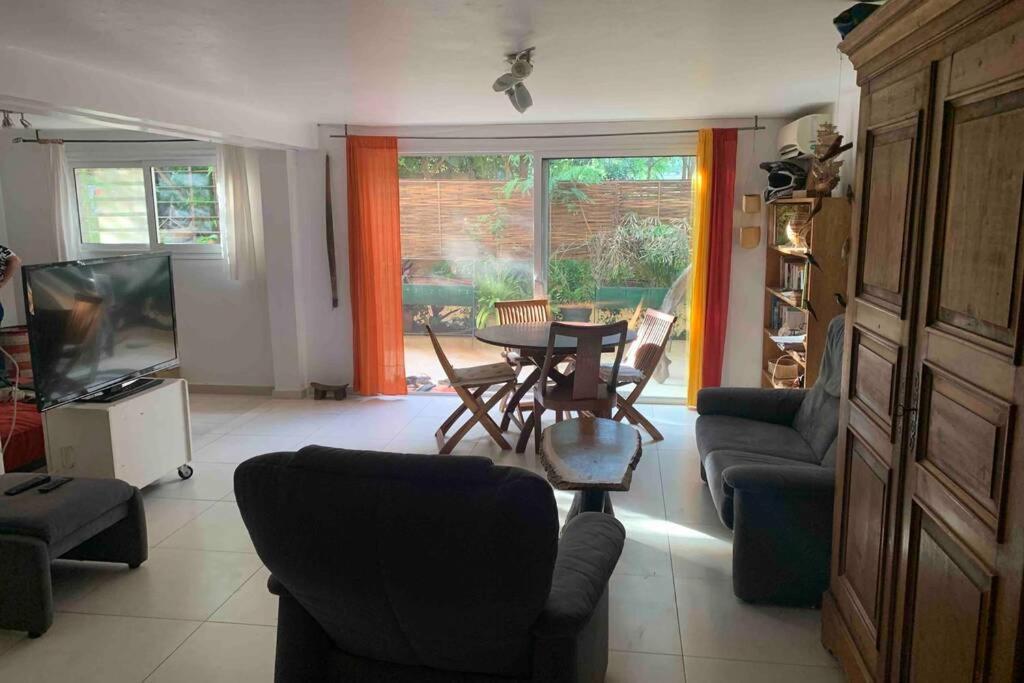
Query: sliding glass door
(618, 242)
(614, 240)
(467, 241)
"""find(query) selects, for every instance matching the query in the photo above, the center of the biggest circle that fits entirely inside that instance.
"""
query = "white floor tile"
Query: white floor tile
(225, 653)
(715, 623)
(237, 448)
(220, 527)
(637, 667)
(8, 639)
(251, 604)
(88, 648)
(700, 552)
(643, 615)
(164, 516)
(210, 481)
(172, 584)
(701, 670)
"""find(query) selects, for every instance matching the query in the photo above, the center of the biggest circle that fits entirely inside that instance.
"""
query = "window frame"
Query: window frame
(191, 251)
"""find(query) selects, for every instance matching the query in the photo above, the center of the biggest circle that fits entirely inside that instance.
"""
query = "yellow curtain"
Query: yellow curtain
(699, 271)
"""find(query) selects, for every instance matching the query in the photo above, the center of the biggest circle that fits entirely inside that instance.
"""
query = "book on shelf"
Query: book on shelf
(794, 276)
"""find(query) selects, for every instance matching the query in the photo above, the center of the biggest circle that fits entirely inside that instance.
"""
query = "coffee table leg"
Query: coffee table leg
(590, 500)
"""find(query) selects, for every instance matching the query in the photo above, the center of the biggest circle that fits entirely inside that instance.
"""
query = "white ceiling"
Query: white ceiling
(433, 61)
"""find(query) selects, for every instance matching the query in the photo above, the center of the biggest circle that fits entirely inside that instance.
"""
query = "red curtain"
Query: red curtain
(723, 185)
(375, 265)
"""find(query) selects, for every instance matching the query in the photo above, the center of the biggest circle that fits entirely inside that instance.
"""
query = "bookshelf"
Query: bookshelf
(802, 280)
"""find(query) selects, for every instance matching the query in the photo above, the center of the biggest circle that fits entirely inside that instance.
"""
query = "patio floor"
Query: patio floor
(421, 361)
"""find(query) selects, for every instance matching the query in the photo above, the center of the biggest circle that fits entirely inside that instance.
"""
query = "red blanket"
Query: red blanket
(27, 444)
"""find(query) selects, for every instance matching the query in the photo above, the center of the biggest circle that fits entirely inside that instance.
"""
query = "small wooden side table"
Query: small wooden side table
(592, 456)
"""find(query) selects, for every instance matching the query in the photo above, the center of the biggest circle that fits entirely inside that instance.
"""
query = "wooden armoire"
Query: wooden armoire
(928, 542)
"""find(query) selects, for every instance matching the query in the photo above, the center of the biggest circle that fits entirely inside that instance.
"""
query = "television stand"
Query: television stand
(139, 437)
(123, 390)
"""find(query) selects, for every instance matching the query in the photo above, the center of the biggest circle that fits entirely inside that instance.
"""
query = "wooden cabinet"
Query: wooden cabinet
(928, 543)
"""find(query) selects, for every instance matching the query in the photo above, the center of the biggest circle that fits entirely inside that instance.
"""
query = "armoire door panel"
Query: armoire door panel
(882, 268)
(980, 224)
(965, 440)
(861, 548)
(950, 604)
(874, 367)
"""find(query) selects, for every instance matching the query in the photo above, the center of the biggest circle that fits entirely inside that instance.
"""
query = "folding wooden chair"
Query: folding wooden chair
(583, 388)
(510, 313)
(641, 360)
(470, 384)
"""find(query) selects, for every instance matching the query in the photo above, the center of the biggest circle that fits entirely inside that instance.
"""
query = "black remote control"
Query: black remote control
(26, 485)
(54, 483)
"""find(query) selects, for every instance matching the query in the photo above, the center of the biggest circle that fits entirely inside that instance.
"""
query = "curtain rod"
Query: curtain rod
(60, 141)
(756, 126)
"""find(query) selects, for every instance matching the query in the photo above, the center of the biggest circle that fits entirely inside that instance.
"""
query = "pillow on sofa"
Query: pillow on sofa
(818, 417)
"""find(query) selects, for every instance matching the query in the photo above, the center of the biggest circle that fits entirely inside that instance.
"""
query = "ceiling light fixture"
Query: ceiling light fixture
(511, 82)
(7, 123)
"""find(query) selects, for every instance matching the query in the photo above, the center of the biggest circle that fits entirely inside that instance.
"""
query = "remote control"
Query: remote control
(54, 483)
(26, 485)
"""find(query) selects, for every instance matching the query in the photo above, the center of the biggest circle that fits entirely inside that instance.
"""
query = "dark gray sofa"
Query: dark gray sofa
(394, 567)
(768, 457)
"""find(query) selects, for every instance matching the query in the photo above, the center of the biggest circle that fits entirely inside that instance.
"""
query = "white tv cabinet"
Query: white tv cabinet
(138, 439)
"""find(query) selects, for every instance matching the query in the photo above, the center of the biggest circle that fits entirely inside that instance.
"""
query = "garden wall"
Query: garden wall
(472, 219)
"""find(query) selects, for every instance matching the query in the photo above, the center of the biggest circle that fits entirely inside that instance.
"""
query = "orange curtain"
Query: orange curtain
(701, 259)
(375, 265)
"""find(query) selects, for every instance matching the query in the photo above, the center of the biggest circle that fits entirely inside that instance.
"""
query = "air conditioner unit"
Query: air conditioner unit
(797, 138)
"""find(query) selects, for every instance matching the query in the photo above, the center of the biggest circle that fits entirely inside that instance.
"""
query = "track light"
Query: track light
(7, 123)
(24, 122)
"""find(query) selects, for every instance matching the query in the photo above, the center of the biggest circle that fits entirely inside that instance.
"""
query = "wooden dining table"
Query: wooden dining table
(530, 341)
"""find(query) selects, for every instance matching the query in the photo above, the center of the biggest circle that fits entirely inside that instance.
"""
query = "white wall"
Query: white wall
(745, 325)
(223, 328)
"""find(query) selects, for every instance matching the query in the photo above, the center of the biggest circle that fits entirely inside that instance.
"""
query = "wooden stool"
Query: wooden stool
(320, 391)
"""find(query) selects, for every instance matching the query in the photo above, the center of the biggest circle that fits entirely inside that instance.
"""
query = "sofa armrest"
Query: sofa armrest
(764, 405)
(587, 554)
(782, 532)
(795, 480)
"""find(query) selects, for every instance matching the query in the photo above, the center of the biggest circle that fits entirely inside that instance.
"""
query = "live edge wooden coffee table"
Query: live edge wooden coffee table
(591, 456)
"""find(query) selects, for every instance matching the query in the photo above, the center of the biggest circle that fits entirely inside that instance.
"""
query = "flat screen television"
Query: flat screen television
(96, 325)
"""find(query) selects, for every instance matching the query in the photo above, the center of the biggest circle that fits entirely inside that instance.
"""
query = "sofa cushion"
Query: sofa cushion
(717, 462)
(54, 516)
(728, 433)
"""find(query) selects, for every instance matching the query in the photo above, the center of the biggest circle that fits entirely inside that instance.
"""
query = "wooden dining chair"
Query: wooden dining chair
(511, 313)
(582, 388)
(639, 365)
(470, 384)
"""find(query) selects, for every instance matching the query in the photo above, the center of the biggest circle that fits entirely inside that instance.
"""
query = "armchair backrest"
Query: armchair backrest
(410, 559)
(818, 417)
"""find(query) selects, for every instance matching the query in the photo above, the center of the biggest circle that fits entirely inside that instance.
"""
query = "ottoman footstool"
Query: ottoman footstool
(85, 519)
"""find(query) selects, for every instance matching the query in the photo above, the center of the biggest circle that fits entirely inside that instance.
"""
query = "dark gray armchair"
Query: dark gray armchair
(768, 457)
(396, 567)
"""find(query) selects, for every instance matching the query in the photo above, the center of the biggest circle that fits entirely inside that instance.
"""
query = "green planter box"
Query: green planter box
(629, 297)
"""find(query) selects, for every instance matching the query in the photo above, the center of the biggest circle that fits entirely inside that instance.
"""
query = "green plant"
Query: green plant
(642, 250)
(570, 281)
(498, 281)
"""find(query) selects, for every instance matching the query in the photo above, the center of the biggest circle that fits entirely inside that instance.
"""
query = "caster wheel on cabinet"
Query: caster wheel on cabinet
(185, 471)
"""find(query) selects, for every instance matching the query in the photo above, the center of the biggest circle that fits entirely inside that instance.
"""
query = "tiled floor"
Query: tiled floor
(198, 609)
